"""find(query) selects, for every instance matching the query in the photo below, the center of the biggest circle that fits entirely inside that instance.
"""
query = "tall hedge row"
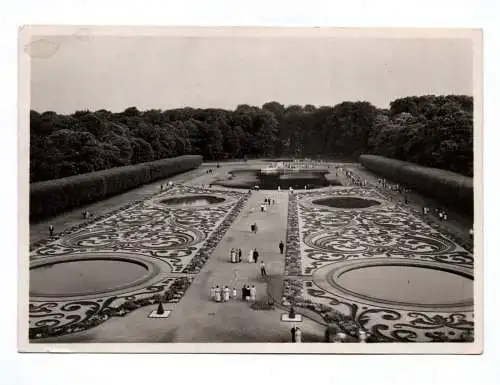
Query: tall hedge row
(54, 196)
(448, 187)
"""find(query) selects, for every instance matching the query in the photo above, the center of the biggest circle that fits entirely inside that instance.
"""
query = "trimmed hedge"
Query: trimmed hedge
(452, 189)
(54, 196)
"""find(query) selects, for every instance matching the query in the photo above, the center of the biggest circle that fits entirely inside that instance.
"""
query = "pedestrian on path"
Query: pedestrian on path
(239, 255)
(293, 331)
(253, 293)
(255, 255)
(298, 335)
(51, 230)
(282, 246)
(212, 293)
(234, 293)
(226, 294)
(262, 269)
(217, 294)
(250, 256)
(247, 293)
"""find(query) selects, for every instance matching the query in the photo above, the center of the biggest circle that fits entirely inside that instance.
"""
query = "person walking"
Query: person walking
(234, 293)
(281, 246)
(247, 293)
(239, 255)
(212, 293)
(250, 256)
(226, 294)
(255, 255)
(262, 269)
(51, 230)
(293, 331)
(298, 335)
(217, 294)
(253, 293)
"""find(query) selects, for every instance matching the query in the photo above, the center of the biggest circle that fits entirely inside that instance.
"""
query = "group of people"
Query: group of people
(441, 214)
(253, 257)
(235, 255)
(266, 204)
(224, 294)
(86, 214)
(170, 184)
(296, 334)
(352, 178)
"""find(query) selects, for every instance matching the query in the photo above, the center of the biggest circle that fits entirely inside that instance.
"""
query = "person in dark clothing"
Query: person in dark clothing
(282, 246)
(255, 255)
(51, 230)
(239, 255)
(243, 292)
(262, 269)
(293, 333)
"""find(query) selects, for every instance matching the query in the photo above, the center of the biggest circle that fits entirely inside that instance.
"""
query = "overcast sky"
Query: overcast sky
(114, 73)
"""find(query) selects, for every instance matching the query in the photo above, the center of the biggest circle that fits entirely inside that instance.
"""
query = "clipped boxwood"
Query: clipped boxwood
(448, 187)
(51, 197)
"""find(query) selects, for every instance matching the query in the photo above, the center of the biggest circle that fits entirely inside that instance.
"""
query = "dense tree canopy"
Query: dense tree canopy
(434, 131)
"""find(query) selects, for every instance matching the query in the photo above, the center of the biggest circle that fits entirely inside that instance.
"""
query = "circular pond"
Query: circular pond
(407, 284)
(346, 202)
(85, 276)
(195, 200)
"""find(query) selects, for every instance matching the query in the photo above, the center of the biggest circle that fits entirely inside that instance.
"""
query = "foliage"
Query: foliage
(51, 197)
(454, 189)
(434, 131)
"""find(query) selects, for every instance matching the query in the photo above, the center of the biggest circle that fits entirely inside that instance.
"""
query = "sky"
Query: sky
(114, 73)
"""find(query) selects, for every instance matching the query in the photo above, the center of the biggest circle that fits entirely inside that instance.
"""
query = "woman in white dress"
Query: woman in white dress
(250, 256)
(217, 294)
(298, 335)
(253, 293)
(226, 294)
(234, 293)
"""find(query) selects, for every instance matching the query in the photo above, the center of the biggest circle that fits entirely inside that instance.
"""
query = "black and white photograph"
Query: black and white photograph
(244, 189)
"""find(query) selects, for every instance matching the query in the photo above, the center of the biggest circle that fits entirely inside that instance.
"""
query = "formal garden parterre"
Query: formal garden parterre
(327, 242)
(170, 242)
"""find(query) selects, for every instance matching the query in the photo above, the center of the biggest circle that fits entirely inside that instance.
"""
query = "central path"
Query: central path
(197, 318)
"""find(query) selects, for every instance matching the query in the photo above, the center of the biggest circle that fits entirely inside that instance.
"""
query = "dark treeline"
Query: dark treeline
(434, 131)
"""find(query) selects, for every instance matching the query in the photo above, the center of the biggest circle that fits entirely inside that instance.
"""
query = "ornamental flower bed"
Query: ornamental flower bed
(171, 295)
(45, 241)
(206, 250)
(293, 264)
